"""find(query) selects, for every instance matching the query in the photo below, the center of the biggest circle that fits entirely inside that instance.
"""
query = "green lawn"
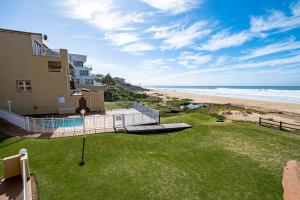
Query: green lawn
(209, 161)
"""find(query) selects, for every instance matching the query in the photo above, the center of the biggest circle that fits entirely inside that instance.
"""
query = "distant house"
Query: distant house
(83, 75)
(35, 79)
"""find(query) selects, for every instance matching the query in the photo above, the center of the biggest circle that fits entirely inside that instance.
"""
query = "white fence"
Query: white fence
(90, 123)
(15, 119)
(150, 112)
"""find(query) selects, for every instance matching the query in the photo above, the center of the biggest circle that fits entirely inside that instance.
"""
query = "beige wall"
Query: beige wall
(94, 100)
(17, 62)
(11, 166)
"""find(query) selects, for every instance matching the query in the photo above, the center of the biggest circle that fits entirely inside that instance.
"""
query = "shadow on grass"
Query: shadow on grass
(4, 137)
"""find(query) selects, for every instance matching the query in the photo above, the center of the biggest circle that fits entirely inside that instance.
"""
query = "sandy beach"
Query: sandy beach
(278, 111)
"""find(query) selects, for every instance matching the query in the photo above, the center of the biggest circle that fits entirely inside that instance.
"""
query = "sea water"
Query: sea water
(287, 94)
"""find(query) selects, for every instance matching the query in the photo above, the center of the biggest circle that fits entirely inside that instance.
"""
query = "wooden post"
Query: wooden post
(280, 125)
(259, 121)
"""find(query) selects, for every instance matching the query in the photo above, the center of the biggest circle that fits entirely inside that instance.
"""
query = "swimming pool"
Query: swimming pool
(62, 123)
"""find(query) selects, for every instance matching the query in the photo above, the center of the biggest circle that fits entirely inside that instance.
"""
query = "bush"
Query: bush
(219, 118)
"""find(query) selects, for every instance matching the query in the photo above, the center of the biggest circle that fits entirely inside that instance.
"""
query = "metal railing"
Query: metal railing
(46, 52)
(93, 123)
(15, 119)
(150, 112)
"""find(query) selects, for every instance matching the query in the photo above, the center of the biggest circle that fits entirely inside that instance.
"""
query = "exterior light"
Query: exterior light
(23, 152)
(9, 107)
(82, 111)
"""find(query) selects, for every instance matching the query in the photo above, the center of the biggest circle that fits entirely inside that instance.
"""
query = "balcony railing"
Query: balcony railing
(46, 52)
(75, 92)
(89, 67)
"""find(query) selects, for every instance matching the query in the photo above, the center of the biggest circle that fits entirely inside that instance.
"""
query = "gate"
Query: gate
(118, 120)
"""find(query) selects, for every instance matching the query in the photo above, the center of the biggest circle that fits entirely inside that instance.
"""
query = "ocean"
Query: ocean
(286, 94)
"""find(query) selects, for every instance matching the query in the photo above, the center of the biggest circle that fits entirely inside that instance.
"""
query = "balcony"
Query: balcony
(89, 67)
(46, 52)
(74, 92)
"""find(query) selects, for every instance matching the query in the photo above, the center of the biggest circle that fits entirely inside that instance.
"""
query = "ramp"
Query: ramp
(157, 128)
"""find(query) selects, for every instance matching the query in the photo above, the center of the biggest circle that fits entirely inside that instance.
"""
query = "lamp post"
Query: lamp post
(9, 102)
(83, 143)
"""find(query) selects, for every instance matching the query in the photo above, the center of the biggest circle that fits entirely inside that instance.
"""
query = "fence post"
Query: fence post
(123, 118)
(52, 124)
(95, 123)
(104, 123)
(28, 123)
(34, 128)
(74, 128)
(113, 121)
(43, 125)
(132, 118)
(63, 123)
(280, 125)
(259, 123)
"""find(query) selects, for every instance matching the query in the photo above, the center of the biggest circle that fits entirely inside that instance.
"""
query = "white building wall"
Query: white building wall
(78, 62)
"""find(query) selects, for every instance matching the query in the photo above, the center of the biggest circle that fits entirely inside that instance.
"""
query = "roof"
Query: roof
(15, 31)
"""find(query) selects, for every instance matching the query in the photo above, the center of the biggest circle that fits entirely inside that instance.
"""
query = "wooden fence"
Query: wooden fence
(279, 124)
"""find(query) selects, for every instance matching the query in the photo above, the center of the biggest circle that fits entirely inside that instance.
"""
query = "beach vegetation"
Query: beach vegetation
(237, 160)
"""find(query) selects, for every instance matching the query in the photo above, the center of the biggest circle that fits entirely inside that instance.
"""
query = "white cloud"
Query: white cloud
(176, 39)
(161, 32)
(221, 60)
(137, 48)
(269, 63)
(191, 60)
(296, 8)
(154, 65)
(291, 44)
(264, 65)
(122, 38)
(103, 14)
(224, 39)
(276, 20)
(173, 6)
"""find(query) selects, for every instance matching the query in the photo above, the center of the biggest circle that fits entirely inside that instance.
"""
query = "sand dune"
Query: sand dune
(285, 110)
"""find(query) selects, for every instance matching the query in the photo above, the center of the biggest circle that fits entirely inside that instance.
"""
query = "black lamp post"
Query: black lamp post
(83, 142)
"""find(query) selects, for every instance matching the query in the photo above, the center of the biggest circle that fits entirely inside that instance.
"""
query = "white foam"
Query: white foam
(276, 95)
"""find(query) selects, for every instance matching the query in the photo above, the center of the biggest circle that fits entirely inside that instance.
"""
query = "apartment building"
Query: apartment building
(35, 79)
(83, 76)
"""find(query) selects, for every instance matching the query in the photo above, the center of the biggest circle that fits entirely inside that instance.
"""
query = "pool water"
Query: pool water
(61, 123)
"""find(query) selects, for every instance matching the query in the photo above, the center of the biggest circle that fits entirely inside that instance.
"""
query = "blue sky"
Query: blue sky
(172, 42)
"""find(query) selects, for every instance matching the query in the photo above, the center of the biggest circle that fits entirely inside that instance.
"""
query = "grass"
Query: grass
(232, 160)
(116, 105)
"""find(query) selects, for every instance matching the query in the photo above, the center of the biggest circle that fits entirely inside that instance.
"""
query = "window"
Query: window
(84, 72)
(78, 63)
(37, 48)
(77, 81)
(24, 86)
(88, 81)
(54, 66)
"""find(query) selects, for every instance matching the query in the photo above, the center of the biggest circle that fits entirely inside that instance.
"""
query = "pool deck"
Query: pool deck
(157, 128)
